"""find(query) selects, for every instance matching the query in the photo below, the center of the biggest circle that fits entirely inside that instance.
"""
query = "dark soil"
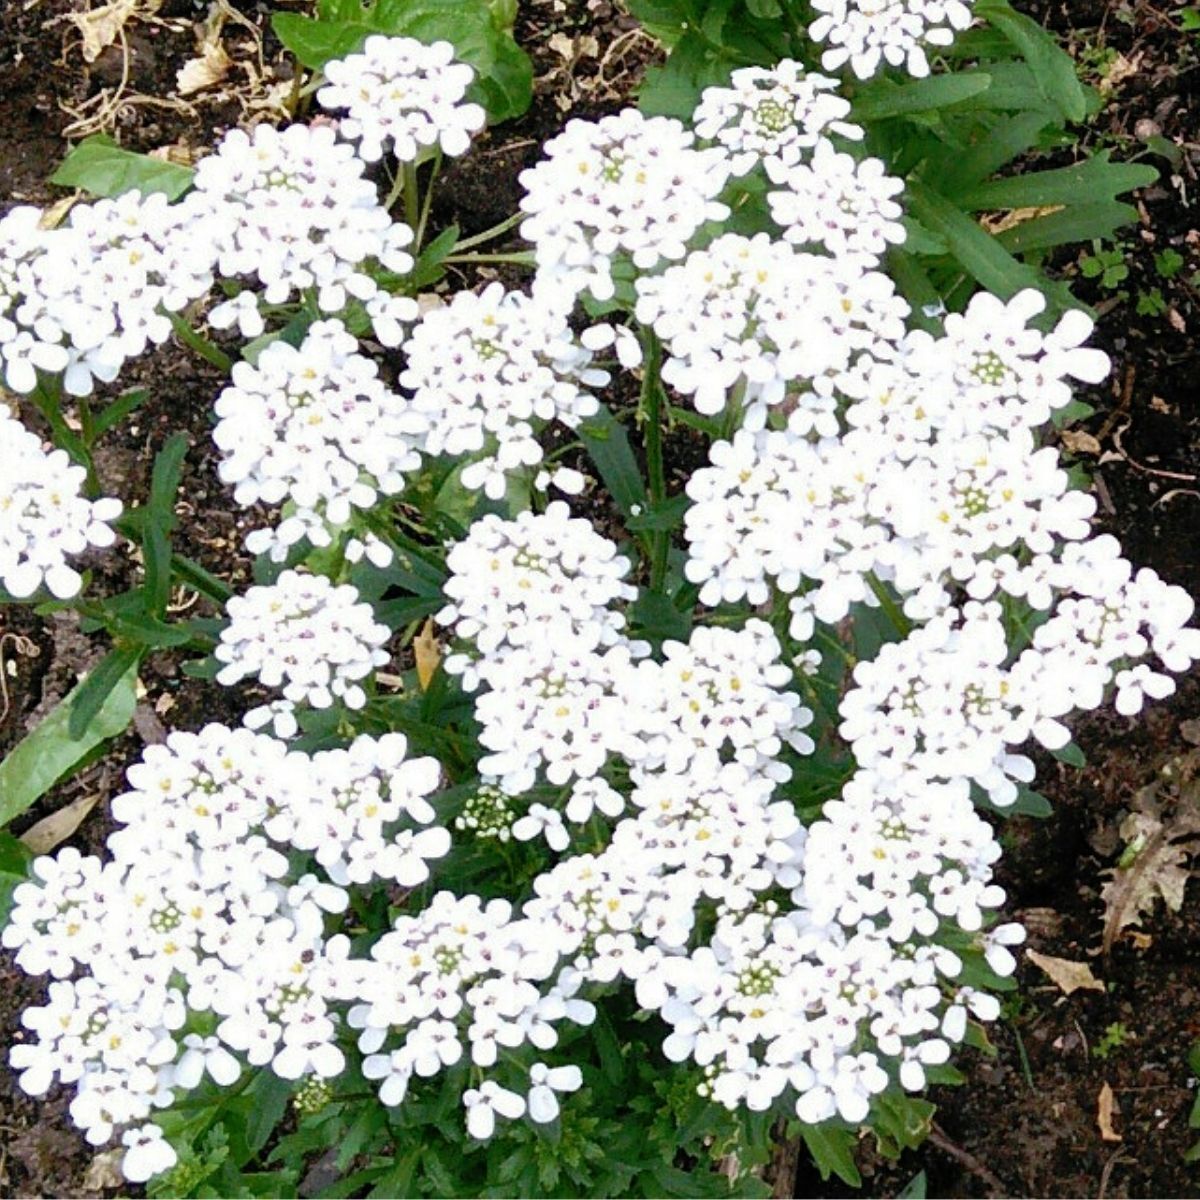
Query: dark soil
(1025, 1123)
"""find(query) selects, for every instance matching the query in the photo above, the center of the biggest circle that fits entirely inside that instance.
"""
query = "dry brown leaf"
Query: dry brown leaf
(53, 217)
(1190, 731)
(100, 27)
(563, 46)
(1001, 222)
(1079, 441)
(1070, 976)
(1158, 846)
(1119, 70)
(1106, 1109)
(428, 653)
(104, 1172)
(53, 830)
(209, 68)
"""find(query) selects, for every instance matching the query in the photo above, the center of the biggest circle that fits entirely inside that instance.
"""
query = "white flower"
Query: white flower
(404, 94)
(772, 115)
(868, 33)
(624, 185)
(44, 516)
(304, 635)
(483, 1103)
(486, 373)
(544, 1082)
(202, 1056)
(147, 1153)
(847, 207)
(315, 428)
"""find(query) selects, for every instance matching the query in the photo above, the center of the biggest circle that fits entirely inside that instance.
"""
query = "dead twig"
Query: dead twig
(986, 1175)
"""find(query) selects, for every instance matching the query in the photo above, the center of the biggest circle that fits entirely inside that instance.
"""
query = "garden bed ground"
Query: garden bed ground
(1026, 1122)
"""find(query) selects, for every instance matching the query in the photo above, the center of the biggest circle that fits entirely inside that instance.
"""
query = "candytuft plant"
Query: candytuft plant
(595, 825)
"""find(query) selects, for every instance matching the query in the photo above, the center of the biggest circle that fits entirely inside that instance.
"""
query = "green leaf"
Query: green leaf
(653, 615)
(917, 1188)
(504, 73)
(97, 709)
(1068, 226)
(673, 89)
(114, 413)
(1071, 755)
(98, 165)
(270, 1095)
(832, 1150)
(14, 870)
(901, 1122)
(608, 446)
(1053, 69)
(1093, 179)
(654, 518)
(164, 480)
(980, 254)
(428, 268)
(885, 99)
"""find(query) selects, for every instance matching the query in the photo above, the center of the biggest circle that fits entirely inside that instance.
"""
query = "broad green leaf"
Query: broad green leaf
(917, 1188)
(47, 753)
(1053, 69)
(832, 1150)
(673, 89)
(429, 268)
(653, 615)
(885, 99)
(14, 870)
(98, 165)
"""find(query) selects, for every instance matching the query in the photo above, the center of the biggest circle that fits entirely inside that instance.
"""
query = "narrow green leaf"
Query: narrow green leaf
(97, 709)
(270, 1096)
(608, 446)
(156, 562)
(1093, 179)
(980, 254)
(1053, 69)
(1079, 223)
(885, 99)
(1071, 755)
(98, 165)
(114, 413)
(164, 480)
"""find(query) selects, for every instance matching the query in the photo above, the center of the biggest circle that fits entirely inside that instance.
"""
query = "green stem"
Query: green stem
(650, 408)
(423, 221)
(523, 258)
(200, 344)
(488, 235)
(395, 190)
(412, 196)
(894, 613)
(47, 398)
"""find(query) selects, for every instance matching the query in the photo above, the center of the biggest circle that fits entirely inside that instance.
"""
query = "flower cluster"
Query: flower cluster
(195, 913)
(82, 299)
(626, 185)
(861, 465)
(313, 427)
(868, 34)
(44, 516)
(773, 116)
(293, 211)
(486, 372)
(402, 94)
(314, 640)
(727, 317)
